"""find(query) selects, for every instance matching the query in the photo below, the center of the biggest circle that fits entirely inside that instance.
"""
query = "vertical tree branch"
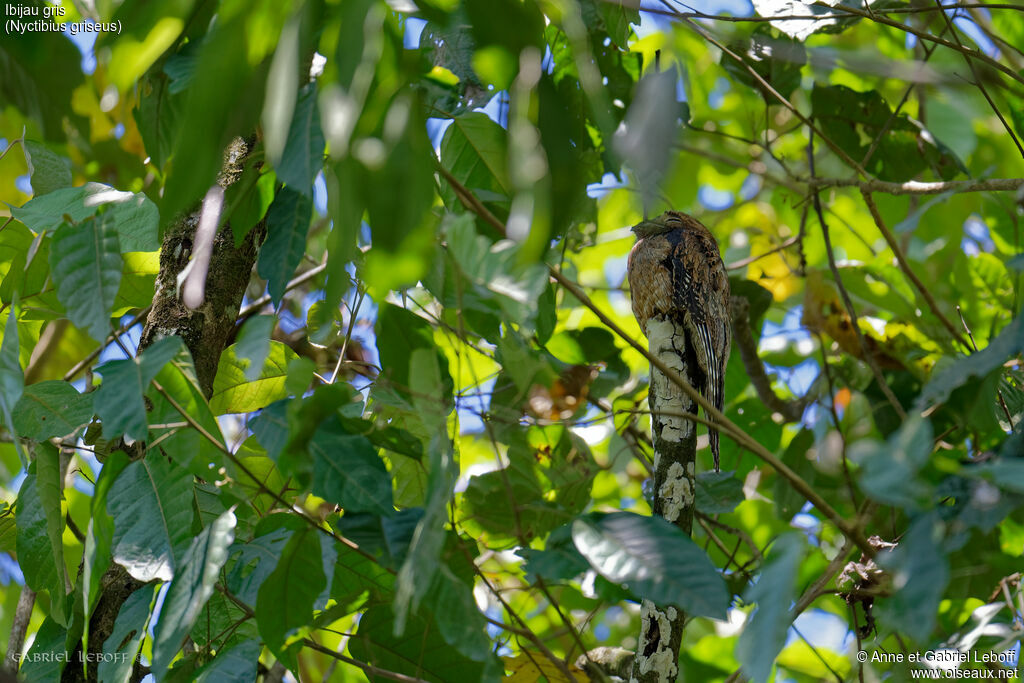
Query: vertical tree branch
(675, 453)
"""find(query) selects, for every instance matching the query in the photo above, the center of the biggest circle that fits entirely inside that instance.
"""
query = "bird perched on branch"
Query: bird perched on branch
(676, 274)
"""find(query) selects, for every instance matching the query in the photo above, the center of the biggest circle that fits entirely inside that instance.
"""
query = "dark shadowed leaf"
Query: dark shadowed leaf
(191, 588)
(287, 226)
(51, 408)
(653, 559)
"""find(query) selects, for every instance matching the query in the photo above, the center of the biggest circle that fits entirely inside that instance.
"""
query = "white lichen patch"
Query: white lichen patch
(667, 343)
(676, 492)
(661, 662)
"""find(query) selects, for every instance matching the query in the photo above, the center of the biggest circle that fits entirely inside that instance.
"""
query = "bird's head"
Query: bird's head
(670, 220)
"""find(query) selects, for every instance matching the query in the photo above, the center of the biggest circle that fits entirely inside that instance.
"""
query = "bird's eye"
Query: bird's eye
(674, 222)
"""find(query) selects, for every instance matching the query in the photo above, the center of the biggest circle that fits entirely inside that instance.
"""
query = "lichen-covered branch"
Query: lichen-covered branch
(675, 452)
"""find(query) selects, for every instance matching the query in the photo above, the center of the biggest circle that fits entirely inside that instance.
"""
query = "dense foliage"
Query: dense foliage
(424, 453)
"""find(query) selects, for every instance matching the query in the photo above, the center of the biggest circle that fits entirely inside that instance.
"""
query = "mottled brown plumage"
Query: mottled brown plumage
(676, 272)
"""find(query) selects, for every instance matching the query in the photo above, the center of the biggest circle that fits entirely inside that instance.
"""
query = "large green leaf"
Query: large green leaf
(285, 600)
(49, 170)
(953, 375)
(120, 399)
(718, 492)
(151, 504)
(35, 549)
(287, 226)
(406, 333)
(474, 149)
(121, 648)
(304, 151)
(765, 632)
(51, 408)
(253, 344)
(85, 259)
(348, 471)
(191, 588)
(158, 115)
(100, 533)
(254, 561)
(47, 657)
(235, 392)
(421, 651)
(133, 216)
(652, 558)
(238, 664)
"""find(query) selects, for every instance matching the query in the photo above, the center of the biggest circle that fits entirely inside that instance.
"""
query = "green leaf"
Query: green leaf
(355, 574)
(348, 471)
(38, 73)
(304, 151)
(35, 549)
(386, 538)
(458, 618)
(617, 19)
(12, 378)
(421, 651)
(920, 572)
(119, 400)
(49, 170)
(765, 632)
(100, 533)
(49, 487)
(778, 60)
(287, 226)
(238, 664)
(191, 588)
(252, 205)
(254, 562)
(85, 260)
(718, 493)
(559, 560)
(187, 447)
(47, 657)
(474, 149)
(653, 559)
(151, 504)
(406, 333)
(270, 428)
(158, 115)
(122, 647)
(286, 597)
(235, 392)
(968, 369)
(889, 470)
(133, 216)
(253, 343)
(51, 408)
(652, 124)
(223, 99)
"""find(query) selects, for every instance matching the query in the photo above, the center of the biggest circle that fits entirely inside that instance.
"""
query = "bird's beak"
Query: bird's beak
(645, 226)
